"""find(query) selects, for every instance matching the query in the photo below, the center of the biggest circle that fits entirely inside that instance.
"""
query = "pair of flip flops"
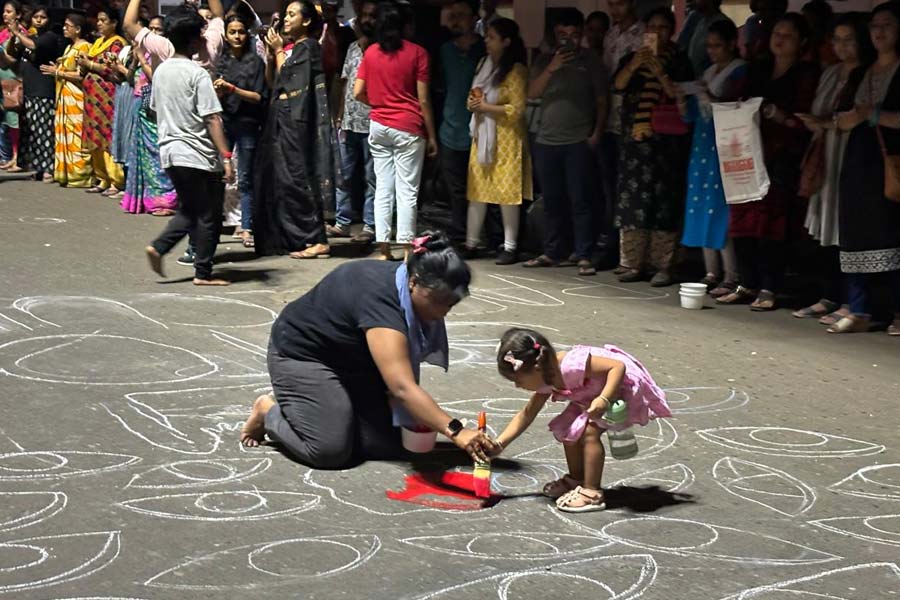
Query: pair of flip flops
(811, 312)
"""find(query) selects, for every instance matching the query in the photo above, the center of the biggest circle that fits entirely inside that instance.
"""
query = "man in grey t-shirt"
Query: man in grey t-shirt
(191, 143)
(572, 84)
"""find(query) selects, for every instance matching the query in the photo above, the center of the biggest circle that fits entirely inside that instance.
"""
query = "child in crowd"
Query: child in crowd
(589, 379)
(192, 146)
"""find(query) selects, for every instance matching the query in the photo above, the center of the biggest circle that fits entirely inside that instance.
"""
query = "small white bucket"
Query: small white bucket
(418, 441)
(694, 287)
(692, 300)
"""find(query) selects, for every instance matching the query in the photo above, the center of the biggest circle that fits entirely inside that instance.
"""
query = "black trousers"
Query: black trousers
(328, 420)
(761, 263)
(455, 172)
(200, 198)
(605, 207)
(565, 173)
(828, 267)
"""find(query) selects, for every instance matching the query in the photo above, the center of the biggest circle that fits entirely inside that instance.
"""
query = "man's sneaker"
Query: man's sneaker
(337, 231)
(506, 258)
(186, 259)
(470, 253)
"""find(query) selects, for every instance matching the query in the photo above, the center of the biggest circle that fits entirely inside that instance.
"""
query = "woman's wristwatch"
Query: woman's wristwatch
(454, 427)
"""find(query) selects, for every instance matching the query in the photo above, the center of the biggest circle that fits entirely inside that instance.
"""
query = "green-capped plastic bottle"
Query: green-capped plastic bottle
(622, 443)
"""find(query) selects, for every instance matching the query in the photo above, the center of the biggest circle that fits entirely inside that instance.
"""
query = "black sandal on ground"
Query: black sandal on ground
(540, 262)
(811, 312)
(585, 268)
(740, 295)
(723, 289)
(710, 281)
(764, 302)
(632, 275)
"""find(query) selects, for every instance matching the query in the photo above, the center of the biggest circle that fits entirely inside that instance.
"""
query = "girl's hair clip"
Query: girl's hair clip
(511, 359)
(537, 346)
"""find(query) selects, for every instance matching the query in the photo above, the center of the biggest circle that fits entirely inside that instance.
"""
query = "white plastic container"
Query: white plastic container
(692, 295)
(692, 302)
(418, 441)
(694, 287)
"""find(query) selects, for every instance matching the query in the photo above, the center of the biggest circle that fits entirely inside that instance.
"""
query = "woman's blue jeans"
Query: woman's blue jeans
(242, 138)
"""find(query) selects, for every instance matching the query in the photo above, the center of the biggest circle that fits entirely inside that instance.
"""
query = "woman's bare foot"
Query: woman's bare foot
(155, 259)
(254, 430)
(214, 282)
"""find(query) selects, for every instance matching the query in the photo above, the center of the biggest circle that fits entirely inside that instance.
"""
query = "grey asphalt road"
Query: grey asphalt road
(121, 475)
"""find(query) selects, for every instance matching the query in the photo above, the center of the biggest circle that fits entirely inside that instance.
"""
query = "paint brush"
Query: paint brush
(481, 476)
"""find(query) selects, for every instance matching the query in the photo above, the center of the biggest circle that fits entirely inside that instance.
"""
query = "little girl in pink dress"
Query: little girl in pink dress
(589, 379)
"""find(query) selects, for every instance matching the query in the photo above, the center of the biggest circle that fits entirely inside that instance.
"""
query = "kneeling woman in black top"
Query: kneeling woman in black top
(337, 352)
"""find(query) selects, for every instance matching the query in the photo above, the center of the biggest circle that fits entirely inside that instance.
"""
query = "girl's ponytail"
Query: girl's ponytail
(523, 350)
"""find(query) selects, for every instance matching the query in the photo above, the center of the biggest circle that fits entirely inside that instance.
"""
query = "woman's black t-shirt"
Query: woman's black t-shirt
(248, 73)
(328, 324)
(48, 46)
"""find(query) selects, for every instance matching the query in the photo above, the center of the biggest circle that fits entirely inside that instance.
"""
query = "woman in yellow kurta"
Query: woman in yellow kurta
(499, 164)
(72, 165)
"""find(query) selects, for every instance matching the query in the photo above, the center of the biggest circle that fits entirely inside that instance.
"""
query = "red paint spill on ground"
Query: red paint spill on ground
(448, 491)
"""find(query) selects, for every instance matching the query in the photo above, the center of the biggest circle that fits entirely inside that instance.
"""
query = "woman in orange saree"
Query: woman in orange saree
(72, 167)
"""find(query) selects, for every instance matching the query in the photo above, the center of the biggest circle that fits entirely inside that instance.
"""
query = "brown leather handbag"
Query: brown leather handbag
(891, 170)
(12, 95)
(812, 169)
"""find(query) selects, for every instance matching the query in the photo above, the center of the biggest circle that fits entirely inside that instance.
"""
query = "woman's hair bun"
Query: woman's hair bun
(437, 241)
(436, 264)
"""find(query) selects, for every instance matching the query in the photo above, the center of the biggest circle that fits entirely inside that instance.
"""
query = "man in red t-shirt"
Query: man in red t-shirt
(393, 79)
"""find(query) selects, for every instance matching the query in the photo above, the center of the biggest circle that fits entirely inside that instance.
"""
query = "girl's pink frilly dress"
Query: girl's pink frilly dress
(644, 398)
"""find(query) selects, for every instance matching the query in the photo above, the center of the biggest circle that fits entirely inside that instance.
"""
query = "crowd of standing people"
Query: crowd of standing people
(610, 123)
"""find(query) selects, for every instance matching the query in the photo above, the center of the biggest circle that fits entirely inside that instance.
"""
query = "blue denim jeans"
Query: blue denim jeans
(5, 144)
(355, 153)
(858, 290)
(243, 139)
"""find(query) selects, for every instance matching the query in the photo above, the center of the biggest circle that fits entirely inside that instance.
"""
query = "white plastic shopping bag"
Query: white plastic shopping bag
(739, 143)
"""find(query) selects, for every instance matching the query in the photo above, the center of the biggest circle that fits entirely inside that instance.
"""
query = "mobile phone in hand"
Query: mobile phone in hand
(568, 45)
(651, 39)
